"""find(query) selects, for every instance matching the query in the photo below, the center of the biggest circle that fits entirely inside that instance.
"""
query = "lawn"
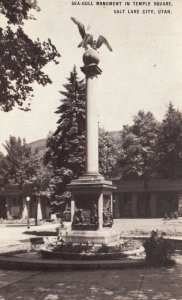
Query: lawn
(145, 226)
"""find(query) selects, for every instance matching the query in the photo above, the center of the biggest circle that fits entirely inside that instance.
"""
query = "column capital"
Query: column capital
(91, 70)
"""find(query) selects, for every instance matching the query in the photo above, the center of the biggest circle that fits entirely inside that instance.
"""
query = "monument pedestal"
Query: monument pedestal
(91, 211)
(104, 236)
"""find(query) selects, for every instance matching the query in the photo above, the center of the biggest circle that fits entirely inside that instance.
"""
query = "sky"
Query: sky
(144, 71)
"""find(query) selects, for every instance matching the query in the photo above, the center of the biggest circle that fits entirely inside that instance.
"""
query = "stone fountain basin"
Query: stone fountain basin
(48, 252)
(30, 258)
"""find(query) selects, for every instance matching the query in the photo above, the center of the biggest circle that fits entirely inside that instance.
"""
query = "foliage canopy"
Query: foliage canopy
(139, 146)
(21, 59)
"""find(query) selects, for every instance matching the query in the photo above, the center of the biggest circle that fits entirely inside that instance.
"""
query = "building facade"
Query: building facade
(13, 204)
(161, 197)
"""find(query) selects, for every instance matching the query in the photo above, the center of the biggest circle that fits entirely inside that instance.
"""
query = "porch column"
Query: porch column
(24, 209)
(153, 207)
(39, 211)
(116, 211)
(180, 203)
(134, 205)
(8, 211)
(47, 210)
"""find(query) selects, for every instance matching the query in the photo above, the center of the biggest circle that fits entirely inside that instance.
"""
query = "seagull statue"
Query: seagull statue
(88, 39)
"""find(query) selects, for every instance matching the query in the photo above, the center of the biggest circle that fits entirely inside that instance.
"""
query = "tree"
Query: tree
(19, 165)
(21, 59)
(169, 146)
(66, 147)
(139, 147)
(16, 11)
(25, 167)
(2, 177)
(108, 153)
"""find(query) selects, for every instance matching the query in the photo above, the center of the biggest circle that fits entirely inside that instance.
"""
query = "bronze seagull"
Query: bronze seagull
(87, 38)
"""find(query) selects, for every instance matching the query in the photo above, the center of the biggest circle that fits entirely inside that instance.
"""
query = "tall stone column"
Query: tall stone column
(92, 155)
(91, 128)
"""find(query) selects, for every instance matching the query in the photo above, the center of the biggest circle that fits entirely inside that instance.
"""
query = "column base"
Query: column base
(101, 236)
(90, 179)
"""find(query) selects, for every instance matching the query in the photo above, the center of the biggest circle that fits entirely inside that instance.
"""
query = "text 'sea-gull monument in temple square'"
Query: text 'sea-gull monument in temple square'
(91, 203)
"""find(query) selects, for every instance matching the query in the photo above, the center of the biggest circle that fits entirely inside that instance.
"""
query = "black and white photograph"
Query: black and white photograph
(90, 150)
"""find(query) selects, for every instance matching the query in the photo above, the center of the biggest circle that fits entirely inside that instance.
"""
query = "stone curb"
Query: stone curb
(58, 265)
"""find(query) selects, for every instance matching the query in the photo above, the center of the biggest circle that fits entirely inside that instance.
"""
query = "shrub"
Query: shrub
(176, 215)
(158, 249)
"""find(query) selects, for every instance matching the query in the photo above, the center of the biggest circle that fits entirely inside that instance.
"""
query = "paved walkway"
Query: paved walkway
(12, 234)
(128, 284)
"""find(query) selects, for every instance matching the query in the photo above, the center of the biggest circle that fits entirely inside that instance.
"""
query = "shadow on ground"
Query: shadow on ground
(150, 283)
